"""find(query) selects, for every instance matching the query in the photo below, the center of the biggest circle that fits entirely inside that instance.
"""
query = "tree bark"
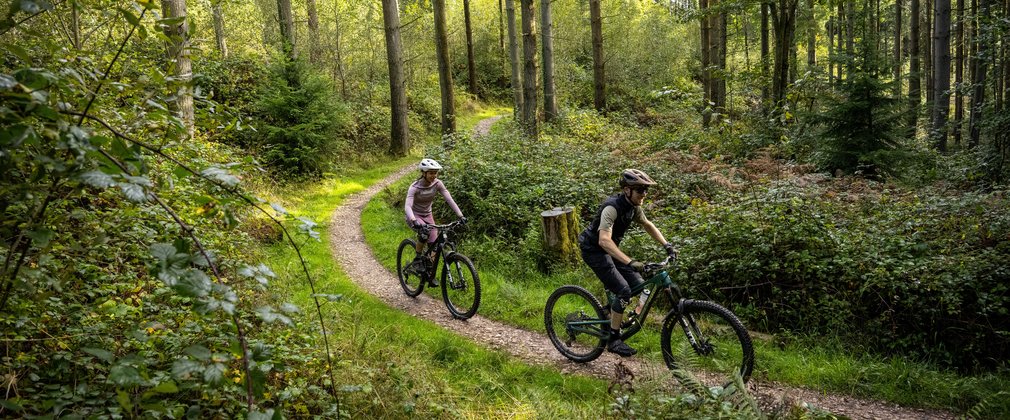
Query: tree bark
(179, 62)
(561, 231)
(471, 66)
(959, 74)
(338, 52)
(530, 121)
(706, 62)
(927, 61)
(765, 59)
(941, 74)
(399, 139)
(718, 57)
(811, 37)
(981, 66)
(310, 7)
(287, 29)
(896, 67)
(444, 69)
(517, 82)
(914, 72)
(784, 23)
(830, 28)
(850, 37)
(547, 43)
(599, 76)
(75, 26)
(218, 14)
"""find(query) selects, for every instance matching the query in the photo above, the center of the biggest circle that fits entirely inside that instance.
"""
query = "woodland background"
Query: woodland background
(834, 171)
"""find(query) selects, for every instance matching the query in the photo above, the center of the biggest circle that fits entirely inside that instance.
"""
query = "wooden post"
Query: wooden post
(561, 232)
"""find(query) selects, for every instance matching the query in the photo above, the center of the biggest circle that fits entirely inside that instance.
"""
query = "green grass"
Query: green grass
(514, 292)
(389, 364)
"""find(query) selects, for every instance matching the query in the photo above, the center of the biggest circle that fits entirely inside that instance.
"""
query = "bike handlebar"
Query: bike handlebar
(653, 266)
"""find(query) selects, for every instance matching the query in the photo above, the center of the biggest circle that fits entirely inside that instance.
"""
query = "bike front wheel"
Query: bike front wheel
(709, 341)
(460, 286)
(411, 273)
(576, 323)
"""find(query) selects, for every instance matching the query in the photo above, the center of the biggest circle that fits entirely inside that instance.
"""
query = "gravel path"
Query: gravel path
(354, 255)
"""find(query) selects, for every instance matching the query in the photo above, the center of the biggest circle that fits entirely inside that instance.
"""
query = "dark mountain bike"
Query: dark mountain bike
(459, 281)
(714, 345)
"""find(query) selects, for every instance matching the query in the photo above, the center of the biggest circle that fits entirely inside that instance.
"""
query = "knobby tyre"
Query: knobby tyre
(576, 323)
(410, 278)
(460, 286)
(722, 350)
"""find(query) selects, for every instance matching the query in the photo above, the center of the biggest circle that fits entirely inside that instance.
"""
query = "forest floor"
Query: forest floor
(350, 250)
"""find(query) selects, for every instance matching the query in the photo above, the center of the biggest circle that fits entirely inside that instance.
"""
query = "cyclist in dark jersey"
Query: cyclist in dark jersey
(417, 205)
(599, 245)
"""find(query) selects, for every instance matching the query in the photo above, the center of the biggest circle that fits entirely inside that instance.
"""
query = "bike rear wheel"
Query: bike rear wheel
(460, 286)
(576, 323)
(709, 341)
(411, 276)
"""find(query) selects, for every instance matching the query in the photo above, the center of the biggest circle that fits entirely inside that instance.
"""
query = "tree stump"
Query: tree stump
(561, 233)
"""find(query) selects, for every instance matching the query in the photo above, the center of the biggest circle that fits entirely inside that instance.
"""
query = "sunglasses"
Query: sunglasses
(640, 190)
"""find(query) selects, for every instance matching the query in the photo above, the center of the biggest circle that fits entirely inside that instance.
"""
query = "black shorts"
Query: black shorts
(617, 278)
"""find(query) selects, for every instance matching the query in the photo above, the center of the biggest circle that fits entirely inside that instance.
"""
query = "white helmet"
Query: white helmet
(429, 165)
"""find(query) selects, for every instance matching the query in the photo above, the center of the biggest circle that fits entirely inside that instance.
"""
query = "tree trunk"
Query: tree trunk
(706, 62)
(218, 13)
(941, 74)
(927, 59)
(599, 76)
(75, 27)
(471, 66)
(561, 231)
(310, 7)
(501, 33)
(784, 22)
(444, 69)
(831, 48)
(287, 29)
(850, 36)
(896, 67)
(517, 83)
(981, 66)
(811, 37)
(959, 74)
(765, 59)
(179, 62)
(914, 72)
(530, 121)
(547, 41)
(719, 62)
(337, 50)
(399, 140)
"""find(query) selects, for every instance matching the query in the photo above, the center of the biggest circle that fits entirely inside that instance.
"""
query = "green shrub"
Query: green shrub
(301, 121)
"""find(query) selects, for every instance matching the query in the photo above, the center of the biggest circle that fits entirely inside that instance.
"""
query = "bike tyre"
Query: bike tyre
(455, 299)
(592, 346)
(738, 350)
(411, 283)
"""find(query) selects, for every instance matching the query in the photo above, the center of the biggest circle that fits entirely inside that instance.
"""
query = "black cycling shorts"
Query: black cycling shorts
(617, 278)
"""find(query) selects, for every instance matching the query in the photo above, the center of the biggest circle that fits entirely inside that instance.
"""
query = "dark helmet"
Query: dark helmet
(634, 178)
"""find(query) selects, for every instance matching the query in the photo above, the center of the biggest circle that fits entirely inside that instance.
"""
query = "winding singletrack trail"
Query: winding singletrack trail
(350, 250)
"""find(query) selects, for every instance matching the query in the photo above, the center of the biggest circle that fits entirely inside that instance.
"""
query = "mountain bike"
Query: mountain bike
(459, 281)
(714, 345)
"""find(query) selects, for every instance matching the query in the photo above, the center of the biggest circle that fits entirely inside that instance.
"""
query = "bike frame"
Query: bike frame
(601, 327)
(441, 244)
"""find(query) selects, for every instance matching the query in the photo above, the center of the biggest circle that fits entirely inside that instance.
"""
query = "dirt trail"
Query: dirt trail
(354, 255)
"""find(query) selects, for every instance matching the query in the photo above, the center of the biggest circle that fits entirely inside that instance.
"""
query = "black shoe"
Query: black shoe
(617, 346)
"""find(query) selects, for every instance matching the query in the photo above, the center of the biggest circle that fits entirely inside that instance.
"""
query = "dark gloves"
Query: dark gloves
(637, 266)
(462, 220)
(670, 250)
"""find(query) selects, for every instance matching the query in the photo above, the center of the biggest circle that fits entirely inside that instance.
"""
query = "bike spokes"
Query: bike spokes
(461, 286)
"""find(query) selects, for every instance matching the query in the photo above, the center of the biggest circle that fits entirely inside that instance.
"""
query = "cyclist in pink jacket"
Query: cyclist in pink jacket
(420, 197)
